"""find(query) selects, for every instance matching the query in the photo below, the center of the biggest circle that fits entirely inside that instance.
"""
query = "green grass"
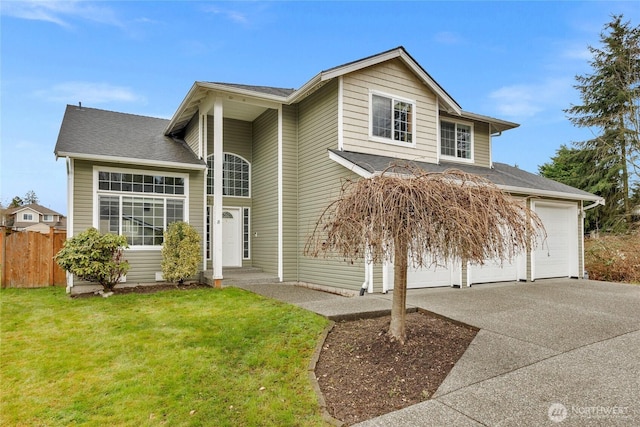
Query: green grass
(171, 358)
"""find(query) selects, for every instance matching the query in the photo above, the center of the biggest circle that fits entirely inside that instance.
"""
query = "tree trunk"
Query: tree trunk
(625, 172)
(397, 328)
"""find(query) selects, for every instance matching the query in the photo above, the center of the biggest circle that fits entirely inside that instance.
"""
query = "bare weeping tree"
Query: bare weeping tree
(408, 215)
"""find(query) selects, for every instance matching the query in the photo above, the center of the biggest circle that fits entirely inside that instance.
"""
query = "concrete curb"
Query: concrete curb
(314, 381)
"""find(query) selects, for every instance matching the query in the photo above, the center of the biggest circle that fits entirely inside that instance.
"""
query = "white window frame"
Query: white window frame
(47, 218)
(210, 175)
(246, 213)
(27, 216)
(393, 99)
(97, 193)
(456, 123)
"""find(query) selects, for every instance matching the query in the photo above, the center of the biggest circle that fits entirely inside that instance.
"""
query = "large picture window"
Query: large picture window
(456, 140)
(235, 176)
(139, 206)
(392, 119)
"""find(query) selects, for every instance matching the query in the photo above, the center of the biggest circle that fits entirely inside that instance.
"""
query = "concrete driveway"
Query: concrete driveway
(554, 352)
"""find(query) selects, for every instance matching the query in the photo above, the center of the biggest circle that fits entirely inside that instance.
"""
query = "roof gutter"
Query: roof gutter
(141, 162)
(597, 203)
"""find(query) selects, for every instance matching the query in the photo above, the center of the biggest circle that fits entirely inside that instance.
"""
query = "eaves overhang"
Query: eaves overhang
(132, 161)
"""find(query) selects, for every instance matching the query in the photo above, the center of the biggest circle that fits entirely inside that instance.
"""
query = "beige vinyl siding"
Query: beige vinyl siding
(191, 134)
(290, 192)
(237, 136)
(481, 147)
(319, 181)
(264, 224)
(393, 78)
(144, 264)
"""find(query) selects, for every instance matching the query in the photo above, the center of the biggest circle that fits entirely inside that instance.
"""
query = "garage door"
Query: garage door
(427, 277)
(494, 271)
(557, 256)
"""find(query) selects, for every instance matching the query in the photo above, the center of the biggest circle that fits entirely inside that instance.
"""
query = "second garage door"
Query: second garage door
(557, 256)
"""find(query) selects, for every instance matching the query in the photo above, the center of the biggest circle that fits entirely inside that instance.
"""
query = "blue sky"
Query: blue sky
(511, 60)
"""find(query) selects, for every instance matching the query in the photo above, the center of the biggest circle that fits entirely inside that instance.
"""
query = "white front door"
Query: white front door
(231, 232)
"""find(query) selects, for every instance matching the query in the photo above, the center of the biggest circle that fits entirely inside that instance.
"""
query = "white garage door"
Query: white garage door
(427, 277)
(557, 256)
(494, 271)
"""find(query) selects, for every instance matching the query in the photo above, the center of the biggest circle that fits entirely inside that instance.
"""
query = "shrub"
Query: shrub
(613, 258)
(181, 255)
(95, 257)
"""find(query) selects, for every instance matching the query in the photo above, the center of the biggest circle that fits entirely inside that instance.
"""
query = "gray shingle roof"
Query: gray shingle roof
(100, 133)
(501, 174)
(34, 206)
(278, 91)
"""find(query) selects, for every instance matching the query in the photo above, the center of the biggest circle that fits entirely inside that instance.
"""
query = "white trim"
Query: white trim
(351, 166)
(340, 113)
(70, 216)
(438, 148)
(547, 193)
(457, 122)
(392, 141)
(218, 140)
(280, 196)
(205, 206)
(120, 194)
(133, 161)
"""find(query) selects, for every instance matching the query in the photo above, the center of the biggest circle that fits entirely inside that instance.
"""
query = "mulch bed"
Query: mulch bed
(147, 289)
(363, 373)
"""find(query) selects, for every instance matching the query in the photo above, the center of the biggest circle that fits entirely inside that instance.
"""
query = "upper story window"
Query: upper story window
(27, 217)
(456, 140)
(139, 206)
(236, 176)
(392, 119)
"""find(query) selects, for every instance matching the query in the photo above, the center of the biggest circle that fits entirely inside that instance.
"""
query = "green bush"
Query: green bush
(181, 254)
(95, 257)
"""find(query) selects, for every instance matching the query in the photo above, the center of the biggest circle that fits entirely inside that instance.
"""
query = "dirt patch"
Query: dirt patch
(363, 373)
(147, 289)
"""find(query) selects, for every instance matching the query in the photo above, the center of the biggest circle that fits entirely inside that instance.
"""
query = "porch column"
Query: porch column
(217, 192)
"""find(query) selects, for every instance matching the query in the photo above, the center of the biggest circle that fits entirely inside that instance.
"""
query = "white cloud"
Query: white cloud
(88, 93)
(232, 15)
(527, 100)
(59, 12)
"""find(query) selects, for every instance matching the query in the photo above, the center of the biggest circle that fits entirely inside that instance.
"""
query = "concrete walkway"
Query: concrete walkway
(554, 352)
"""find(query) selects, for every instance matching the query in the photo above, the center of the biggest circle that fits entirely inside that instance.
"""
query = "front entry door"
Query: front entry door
(231, 232)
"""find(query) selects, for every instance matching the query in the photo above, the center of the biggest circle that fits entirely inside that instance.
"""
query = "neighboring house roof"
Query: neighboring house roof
(34, 207)
(93, 134)
(507, 177)
(199, 91)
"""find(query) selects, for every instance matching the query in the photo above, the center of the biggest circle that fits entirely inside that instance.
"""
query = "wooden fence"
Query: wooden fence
(26, 259)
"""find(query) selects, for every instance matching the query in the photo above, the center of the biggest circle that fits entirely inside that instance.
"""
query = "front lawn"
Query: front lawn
(199, 357)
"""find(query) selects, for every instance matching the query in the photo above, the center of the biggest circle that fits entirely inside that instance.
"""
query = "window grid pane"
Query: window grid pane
(235, 176)
(140, 183)
(402, 121)
(448, 139)
(109, 207)
(381, 120)
(464, 141)
(245, 233)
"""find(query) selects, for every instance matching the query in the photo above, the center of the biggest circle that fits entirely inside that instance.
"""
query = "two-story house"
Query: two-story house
(34, 217)
(252, 168)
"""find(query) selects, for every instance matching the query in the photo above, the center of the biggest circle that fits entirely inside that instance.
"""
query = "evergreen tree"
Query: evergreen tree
(30, 197)
(584, 169)
(610, 105)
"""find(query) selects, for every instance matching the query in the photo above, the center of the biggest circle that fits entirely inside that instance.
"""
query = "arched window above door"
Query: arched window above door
(236, 176)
